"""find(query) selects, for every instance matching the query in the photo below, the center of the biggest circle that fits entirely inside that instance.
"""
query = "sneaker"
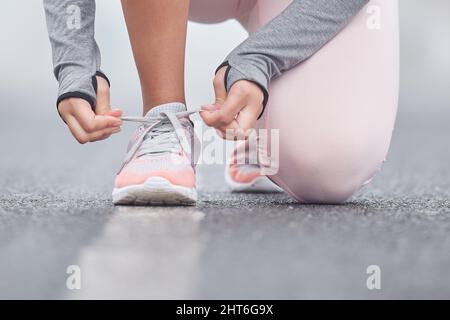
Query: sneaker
(245, 177)
(159, 165)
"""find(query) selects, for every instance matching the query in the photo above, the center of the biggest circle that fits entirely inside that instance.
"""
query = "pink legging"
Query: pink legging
(336, 111)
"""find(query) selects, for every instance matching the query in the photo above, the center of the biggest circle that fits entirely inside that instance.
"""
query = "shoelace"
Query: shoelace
(162, 134)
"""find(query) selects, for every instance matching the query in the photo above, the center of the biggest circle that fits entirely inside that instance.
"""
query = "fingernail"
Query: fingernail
(206, 108)
(114, 113)
(211, 107)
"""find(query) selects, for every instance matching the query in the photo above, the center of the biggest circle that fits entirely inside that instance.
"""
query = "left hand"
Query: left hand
(235, 113)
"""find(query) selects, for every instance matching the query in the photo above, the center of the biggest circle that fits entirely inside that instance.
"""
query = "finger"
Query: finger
(103, 134)
(245, 121)
(211, 107)
(103, 105)
(224, 115)
(75, 128)
(219, 86)
(83, 137)
(244, 124)
(225, 132)
(248, 116)
(114, 113)
(91, 122)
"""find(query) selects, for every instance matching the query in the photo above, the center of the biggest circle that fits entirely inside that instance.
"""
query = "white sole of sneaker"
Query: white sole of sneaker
(260, 184)
(154, 191)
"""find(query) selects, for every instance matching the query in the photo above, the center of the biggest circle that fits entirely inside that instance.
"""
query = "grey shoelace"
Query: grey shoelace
(163, 133)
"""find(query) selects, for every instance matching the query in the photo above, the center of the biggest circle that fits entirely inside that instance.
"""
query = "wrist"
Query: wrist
(73, 96)
(83, 89)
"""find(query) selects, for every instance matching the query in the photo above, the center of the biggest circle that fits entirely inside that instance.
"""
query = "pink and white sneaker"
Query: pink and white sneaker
(242, 176)
(159, 165)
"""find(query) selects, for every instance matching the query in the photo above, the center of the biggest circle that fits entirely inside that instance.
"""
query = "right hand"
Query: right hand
(87, 126)
(234, 113)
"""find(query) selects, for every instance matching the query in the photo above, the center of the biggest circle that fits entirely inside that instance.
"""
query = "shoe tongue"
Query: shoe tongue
(155, 112)
(168, 107)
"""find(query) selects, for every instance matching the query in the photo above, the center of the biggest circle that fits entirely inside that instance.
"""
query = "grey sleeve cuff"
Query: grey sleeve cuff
(241, 69)
(76, 80)
(77, 90)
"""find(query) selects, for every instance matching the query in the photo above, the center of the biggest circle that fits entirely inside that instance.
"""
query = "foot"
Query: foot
(159, 166)
(244, 177)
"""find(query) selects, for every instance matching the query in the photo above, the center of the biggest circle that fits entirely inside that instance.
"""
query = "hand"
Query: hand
(84, 124)
(234, 114)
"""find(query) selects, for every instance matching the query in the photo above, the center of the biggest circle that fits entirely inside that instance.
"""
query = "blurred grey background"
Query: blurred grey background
(55, 207)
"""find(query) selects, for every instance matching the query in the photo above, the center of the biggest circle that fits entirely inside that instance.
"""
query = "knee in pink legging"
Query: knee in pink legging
(335, 112)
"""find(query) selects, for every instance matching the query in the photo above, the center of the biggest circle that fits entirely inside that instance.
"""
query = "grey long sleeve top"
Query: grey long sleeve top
(76, 56)
(292, 37)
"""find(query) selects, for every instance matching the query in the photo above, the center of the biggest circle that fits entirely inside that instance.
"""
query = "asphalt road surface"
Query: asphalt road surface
(56, 212)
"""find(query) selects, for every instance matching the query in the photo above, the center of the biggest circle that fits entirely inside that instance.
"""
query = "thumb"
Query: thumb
(103, 105)
(114, 113)
(219, 86)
